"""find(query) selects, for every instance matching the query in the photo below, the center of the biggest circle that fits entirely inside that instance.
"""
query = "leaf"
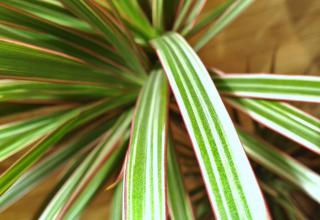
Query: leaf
(18, 136)
(230, 14)
(77, 191)
(130, 11)
(22, 20)
(178, 199)
(193, 14)
(144, 178)
(52, 12)
(284, 119)
(33, 177)
(158, 14)
(17, 61)
(208, 18)
(231, 185)
(116, 210)
(282, 164)
(53, 92)
(74, 119)
(269, 86)
(182, 12)
(112, 30)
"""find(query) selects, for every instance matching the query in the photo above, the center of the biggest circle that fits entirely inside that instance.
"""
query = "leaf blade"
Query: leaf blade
(284, 119)
(227, 184)
(144, 178)
(269, 86)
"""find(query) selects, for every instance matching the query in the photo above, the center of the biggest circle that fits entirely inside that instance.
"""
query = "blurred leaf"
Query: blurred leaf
(178, 199)
(228, 16)
(284, 119)
(33, 177)
(113, 31)
(231, 185)
(77, 191)
(73, 119)
(208, 18)
(282, 164)
(18, 61)
(116, 210)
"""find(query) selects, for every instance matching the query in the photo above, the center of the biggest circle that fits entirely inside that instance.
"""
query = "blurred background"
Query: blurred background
(280, 36)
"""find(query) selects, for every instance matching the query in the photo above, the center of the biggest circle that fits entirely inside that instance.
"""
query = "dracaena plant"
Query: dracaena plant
(111, 90)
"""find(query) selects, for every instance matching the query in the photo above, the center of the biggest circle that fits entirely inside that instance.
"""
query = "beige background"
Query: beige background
(283, 32)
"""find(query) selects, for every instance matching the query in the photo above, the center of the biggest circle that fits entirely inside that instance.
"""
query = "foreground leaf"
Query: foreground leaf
(231, 185)
(284, 119)
(178, 198)
(144, 179)
(270, 86)
(281, 164)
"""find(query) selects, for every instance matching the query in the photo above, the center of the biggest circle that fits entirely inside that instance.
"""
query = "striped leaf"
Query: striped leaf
(184, 7)
(209, 17)
(113, 31)
(282, 164)
(132, 13)
(270, 86)
(284, 119)
(33, 177)
(158, 14)
(77, 191)
(231, 185)
(178, 199)
(144, 178)
(193, 14)
(75, 40)
(18, 60)
(75, 119)
(228, 16)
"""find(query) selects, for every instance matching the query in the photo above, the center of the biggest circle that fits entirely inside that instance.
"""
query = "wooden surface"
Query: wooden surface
(283, 32)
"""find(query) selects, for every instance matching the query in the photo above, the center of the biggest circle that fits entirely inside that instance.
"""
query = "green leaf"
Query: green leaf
(230, 182)
(22, 20)
(158, 8)
(208, 18)
(270, 86)
(182, 11)
(18, 61)
(116, 210)
(282, 164)
(144, 178)
(178, 199)
(113, 31)
(230, 14)
(73, 119)
(33, 177)
(284, 119)
(53, 92)
(131, 11)
(51, 12)
(77, 191)
(193, 14)
(18, 136)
